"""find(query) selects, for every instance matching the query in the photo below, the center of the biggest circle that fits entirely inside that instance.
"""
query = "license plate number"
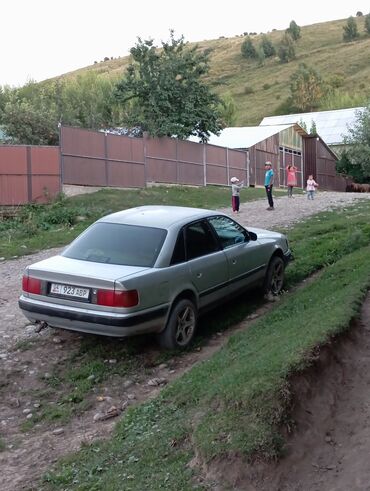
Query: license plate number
(69, 291)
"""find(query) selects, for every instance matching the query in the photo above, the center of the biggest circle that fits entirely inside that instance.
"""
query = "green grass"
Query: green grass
(25, 344)
(332, 235)
(326, 237)
(39, 227)
(236, 402)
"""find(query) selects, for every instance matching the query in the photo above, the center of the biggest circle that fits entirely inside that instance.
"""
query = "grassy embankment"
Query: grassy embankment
(236, 401)
(39, 227)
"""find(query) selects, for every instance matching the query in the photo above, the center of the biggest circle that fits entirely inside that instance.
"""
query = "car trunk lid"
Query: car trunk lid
(60, 269)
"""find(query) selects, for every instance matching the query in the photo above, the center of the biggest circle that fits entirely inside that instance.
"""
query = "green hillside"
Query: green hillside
(258, 91)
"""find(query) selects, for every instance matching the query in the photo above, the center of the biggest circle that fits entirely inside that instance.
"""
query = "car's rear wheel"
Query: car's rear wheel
(274, 279)
(181, 325)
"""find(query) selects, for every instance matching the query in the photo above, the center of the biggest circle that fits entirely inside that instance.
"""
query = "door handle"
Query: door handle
(234, 261)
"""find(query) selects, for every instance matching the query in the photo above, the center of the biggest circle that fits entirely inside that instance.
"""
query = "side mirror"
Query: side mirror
(252, 235)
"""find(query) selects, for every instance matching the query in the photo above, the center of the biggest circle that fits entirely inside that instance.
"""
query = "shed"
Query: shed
(282, 145)
(319, 160)
(332, 126)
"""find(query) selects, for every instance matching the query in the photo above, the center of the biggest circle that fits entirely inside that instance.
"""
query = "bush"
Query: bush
(307, 88)
(286, 50)
(336, 81)
(350, 30)
(35, 217)
(367, 23)
(267, 46)
(247, 49)
(344, 166)
(248, 90)
(266, 86)
(294, 31)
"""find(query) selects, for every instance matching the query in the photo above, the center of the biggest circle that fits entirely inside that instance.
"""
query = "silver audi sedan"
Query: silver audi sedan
(152, 269)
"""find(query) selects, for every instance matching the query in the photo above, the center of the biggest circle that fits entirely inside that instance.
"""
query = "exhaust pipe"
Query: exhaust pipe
(40, 326)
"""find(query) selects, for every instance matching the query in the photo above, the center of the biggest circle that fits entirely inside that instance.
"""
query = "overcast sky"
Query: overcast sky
(40, 39)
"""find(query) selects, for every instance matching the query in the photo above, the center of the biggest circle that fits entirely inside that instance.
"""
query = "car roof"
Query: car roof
(158, 216)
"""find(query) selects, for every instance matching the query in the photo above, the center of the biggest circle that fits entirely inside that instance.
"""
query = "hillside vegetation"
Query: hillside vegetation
(257, 90)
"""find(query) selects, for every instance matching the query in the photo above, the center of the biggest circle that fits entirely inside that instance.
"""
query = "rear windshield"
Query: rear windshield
(115, 243)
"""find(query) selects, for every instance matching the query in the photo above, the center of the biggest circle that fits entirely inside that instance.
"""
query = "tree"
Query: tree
(313, 129)
(367, 23)
(294, 30)
(358, 141)
(307, 88)
(163, 91)
(267, 46)
(228, 110)
(247, 48)
(30, 125)
(344, 166)
(350, 30)
(286, 50)
(303, 125)
(31, 114)
(87, 101)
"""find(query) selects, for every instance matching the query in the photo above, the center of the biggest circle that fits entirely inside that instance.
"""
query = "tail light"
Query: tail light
(31, 285)
(114, 298)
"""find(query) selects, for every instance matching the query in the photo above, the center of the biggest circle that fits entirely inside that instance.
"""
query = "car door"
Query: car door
(245, 257)
(208, 265)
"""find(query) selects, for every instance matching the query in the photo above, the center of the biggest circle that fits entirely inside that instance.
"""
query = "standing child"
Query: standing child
(269, 182)
(291, 179)
(236, 186)
(311, 187)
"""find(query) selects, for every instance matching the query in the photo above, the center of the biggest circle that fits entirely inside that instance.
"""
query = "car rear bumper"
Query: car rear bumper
(94, 322)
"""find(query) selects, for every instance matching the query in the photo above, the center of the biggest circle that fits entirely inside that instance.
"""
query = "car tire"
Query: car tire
(181, 324)
(274, 279)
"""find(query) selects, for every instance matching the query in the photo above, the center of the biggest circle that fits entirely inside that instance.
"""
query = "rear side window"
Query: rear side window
(199, 240)
(115, 243)
(178, 255)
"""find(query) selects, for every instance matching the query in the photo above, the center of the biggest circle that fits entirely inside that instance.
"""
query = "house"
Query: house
(280, 144)
(283, 145)
(332, 126)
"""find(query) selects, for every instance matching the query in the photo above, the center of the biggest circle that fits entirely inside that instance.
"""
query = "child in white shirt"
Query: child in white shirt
(236, 186)
(311, 187)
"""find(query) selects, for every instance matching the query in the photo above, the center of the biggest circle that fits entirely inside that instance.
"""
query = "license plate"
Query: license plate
(69, 291)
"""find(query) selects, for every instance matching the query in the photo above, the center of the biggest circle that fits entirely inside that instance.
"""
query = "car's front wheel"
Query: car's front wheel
(274, 279)
(181, 325)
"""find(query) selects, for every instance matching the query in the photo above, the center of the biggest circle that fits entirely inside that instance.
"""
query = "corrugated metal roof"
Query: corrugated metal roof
(332, 126)
(245, 137)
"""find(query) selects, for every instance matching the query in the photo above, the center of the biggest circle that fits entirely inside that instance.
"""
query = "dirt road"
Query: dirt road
(27, 454)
